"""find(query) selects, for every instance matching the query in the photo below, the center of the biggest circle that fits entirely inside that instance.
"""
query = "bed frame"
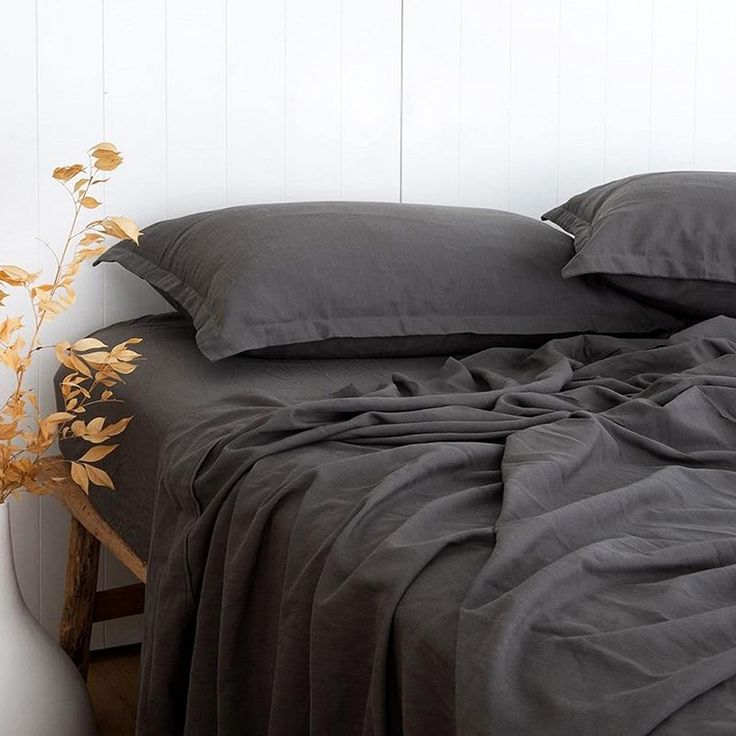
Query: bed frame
(83, 603)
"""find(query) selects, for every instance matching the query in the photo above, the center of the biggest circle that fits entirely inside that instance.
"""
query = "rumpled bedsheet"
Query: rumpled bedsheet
(532, 542)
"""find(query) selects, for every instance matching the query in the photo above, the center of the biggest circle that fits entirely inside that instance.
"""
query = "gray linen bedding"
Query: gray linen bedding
(176, 379)
(526, 542)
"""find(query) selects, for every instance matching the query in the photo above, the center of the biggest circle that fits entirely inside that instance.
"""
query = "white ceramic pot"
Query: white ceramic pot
(41, 691)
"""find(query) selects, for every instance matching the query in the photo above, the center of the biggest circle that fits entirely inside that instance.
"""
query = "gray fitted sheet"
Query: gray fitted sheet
(176, 380)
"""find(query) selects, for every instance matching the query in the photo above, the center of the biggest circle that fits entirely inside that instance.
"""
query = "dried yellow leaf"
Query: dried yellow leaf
(15, 276)
(52, 307)
(96, 359)
(88, 254)
(64, 173)
(11, 356)
(94, 454)
(106, 160)
(88, 343)
(128, 355)
(58, 416)
(71, 295)
(62, 355)
(8, 430)
(96, 424)
(73, 268)
(80, 477)
(89, 202)
(103, 146)
(8, 327)
(124, 368)
(121, 227)
(79, 365)
(98, 476)
(117, 427)
(91, 238)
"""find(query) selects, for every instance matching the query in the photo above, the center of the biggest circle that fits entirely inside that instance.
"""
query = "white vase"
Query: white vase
(41, 691)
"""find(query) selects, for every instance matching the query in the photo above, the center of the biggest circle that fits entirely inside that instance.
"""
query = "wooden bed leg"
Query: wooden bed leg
(79, 595)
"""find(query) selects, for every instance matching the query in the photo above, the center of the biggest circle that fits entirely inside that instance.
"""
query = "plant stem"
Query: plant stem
(40, 317)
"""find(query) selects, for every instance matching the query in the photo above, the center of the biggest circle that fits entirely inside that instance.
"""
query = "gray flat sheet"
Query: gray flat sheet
(176, 379)
(523, 543)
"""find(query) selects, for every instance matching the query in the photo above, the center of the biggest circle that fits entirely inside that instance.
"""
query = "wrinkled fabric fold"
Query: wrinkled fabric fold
(530, 541)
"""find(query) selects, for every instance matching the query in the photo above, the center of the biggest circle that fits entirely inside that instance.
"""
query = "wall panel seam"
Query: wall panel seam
(225, 102)
(37, 213)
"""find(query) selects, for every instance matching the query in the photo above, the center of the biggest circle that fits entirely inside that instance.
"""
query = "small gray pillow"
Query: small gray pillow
(356, 278)
(669, 238)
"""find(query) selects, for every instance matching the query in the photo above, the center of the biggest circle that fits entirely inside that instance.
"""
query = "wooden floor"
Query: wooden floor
(113, 685)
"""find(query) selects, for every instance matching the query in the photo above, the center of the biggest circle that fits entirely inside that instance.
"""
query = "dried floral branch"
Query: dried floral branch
(25, 435)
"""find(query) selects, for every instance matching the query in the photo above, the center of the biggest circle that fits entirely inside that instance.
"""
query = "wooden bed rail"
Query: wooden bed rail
(83, 603)
(80, 507)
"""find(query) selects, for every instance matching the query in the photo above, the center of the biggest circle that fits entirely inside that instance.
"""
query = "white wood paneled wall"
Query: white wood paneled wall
(216, 102)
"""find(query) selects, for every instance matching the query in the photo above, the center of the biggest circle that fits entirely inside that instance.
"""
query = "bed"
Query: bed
(401, 607)
(528, 537)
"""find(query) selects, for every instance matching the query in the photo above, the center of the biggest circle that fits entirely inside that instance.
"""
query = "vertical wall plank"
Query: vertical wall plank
(485, 63)
(431, 125)
(313, 155)
(196, 132)
(135, 120)
(582, 96)
(673, 84)
(371, 100)
(135, 81)
(715, 102)
(18, 228)
(70, 121)
(535, 63)
(628, 88)
(255, 101)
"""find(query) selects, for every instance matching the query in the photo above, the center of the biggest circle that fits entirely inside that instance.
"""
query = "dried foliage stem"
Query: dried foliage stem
(38, 319)
(94, 370)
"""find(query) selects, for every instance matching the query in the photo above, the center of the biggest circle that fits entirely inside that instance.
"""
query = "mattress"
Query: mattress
(177, 380)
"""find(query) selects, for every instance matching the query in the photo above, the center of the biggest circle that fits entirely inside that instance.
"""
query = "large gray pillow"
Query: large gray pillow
(351, 278)
(669, 238)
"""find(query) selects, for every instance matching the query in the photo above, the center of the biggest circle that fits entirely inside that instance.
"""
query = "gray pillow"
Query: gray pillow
(669, 238)
(370, 278)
